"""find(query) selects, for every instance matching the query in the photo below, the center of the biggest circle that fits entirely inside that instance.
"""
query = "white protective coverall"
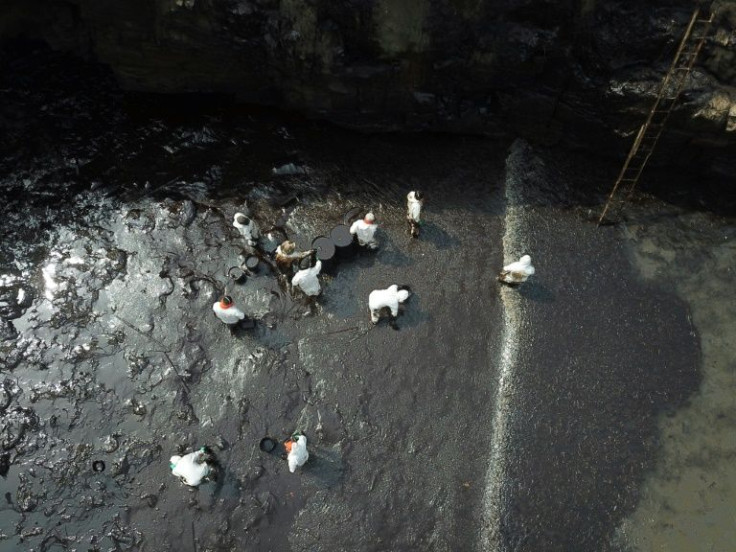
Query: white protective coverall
(230, 315)
(191, 468)
(517, 272)
(307, 279)
(382, 298)
(413, 208)
(365, 232)
(298, 454)
(249, 231)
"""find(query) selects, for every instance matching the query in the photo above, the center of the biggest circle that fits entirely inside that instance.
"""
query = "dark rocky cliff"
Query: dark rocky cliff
(541, 67)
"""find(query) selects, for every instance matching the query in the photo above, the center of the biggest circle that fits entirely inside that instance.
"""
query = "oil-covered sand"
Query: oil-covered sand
(586, 410)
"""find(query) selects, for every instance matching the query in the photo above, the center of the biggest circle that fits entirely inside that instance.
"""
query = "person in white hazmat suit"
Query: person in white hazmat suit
(365, 230)
(191, 468)
(517, 272)
(296, 451)
(307, 278)
(390, 298)
(414, 203)
(247, 228)
(227, 312)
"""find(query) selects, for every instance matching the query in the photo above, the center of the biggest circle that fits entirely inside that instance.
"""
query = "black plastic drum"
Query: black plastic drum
(272, 239)
(236, 274)
(267, 444)
(324, 247)
(351, 216)
(341, 236)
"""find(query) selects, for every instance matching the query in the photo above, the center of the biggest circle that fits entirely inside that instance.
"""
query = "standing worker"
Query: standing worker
(390, 298)
(365, 230)
(247, 228)
(307, 278)
(296, 450)
(286, 254)
(414, 203)
(227, 312)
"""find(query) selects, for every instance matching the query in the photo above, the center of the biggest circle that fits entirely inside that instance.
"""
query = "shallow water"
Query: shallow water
(688, 500)
(117, 239)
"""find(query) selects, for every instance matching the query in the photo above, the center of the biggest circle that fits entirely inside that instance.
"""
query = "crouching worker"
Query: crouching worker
(228, 313)
(389, 298)
(296, 451)
(192, 468)
(365, 230)
(517, 272)
(307, 278)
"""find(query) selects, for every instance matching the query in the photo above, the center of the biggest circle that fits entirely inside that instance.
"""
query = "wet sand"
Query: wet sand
(600, 355)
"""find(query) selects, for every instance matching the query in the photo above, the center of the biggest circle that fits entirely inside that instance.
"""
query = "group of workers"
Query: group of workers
(195, 467)
(306, 277)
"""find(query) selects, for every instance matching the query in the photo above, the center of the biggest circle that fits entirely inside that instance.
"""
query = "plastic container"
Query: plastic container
(341, 236)
(236, 274)
(324, 247)
(270, 240)
(351, 216)
(252, 262)
(268, 445)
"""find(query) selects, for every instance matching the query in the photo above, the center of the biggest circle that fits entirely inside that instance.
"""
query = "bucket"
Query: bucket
(98, 466)
(236, 274)
(251, 263)
(267, 444)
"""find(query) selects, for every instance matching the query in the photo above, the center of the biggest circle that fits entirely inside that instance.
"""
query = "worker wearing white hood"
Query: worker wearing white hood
(414, 203)
(247, 228)
(297, 454)
(386, 298)
(365, 230)
(307, 278)
(191, 468)
(227, 312)
(517, 272)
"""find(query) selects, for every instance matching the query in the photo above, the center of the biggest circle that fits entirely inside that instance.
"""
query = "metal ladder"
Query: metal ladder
(667, 96)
